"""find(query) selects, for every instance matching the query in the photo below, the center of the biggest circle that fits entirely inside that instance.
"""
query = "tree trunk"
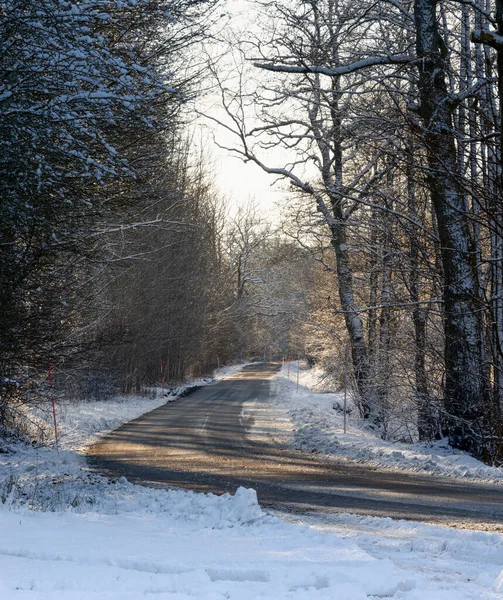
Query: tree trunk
(353, 319)
(494, 186)
(466, 382)
(331, 154)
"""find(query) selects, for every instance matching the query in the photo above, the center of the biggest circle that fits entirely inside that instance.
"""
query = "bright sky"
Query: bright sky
(237, 180)
(241, 182)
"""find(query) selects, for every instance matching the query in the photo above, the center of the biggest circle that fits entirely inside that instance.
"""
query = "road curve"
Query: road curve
(201, 443)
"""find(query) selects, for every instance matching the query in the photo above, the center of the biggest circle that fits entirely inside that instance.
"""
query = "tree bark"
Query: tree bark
(466, 383)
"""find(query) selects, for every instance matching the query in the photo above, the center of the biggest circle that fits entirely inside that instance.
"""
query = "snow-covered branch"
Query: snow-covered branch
(365, 63)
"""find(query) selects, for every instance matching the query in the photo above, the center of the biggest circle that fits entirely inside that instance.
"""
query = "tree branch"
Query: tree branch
(488, 38)
(371, 61)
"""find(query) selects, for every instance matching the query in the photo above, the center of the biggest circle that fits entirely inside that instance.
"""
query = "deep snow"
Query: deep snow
(99, 539)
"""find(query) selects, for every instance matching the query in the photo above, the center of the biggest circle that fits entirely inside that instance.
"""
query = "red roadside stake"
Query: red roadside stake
(298, 369)
(162, 377)
(53, 404)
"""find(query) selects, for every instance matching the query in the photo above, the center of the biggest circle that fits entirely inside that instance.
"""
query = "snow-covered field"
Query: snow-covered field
(69, 534)
(303, 417)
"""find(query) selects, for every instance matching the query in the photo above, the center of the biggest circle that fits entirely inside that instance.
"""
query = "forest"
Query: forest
(121, 263)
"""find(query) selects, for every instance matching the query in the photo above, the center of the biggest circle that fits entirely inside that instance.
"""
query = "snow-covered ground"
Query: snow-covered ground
(69, 534)
(303, 416)
(182, 545)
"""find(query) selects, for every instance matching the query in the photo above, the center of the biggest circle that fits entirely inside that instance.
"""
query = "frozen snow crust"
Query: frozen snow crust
(93, 538)
(305, 419)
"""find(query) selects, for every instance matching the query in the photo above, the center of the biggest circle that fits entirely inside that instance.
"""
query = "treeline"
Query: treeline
(115, 261)
(90, 98)
(390, 113)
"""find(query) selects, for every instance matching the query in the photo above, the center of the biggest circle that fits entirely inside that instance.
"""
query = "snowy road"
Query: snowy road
(202, 443)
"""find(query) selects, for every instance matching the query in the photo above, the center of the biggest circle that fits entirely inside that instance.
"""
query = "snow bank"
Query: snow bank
(303, 417)
(81, 423)
(52, 480)
(200, 546)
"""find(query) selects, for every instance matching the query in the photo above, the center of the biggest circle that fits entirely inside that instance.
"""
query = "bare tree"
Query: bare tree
(329, 61)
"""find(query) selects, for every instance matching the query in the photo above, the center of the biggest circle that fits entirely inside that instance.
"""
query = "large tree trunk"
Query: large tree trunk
(466, 382)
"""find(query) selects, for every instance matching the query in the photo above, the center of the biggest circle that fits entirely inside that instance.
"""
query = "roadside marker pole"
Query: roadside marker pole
(162, 377)
(218, 363)
(288, 359)
(298, 369)
(53, 404)
(346, 384)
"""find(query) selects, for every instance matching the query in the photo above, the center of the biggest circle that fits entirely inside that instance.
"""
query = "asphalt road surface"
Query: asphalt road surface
(200, 442)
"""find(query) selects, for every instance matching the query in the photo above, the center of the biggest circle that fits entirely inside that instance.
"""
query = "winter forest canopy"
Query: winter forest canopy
(380, 120)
